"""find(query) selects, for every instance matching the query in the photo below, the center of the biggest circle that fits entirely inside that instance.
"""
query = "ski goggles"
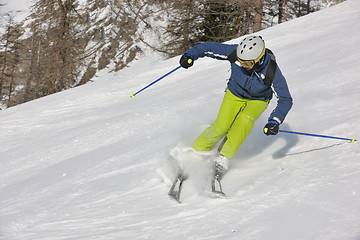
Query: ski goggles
(247, 64)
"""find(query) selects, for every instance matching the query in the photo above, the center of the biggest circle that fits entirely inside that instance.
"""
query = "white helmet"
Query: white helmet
(251, 48)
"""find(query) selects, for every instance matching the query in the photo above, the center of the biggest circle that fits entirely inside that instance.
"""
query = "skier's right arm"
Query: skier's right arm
(209, 49)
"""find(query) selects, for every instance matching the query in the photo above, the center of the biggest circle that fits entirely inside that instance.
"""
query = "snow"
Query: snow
(19, 9)
(93, 163)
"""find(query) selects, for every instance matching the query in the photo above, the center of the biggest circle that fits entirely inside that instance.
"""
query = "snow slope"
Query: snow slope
(93, 163)
(18, 10)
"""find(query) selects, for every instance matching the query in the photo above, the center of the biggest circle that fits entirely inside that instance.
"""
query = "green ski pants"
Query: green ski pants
(235, 119)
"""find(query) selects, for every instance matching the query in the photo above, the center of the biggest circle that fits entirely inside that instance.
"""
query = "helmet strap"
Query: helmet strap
(262, 60)
(258, 64)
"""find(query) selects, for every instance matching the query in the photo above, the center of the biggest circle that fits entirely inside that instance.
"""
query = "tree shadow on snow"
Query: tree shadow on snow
(315, 149)
(257, 142)
(290, 139)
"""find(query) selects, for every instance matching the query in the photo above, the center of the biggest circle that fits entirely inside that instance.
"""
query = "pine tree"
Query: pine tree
(221, 21)
(56, 29)
(9, 61)
(181, 31)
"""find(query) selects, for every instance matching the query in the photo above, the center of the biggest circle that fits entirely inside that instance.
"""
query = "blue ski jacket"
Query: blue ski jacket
(249, 84)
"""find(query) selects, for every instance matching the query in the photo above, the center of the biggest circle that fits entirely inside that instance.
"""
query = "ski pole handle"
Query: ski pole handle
(152, 83)
(352, 140)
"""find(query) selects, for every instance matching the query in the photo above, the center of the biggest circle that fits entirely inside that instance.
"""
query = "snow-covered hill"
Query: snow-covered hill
(93, 163)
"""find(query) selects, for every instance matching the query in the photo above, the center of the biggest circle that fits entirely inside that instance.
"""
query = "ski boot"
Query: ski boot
(220, 167)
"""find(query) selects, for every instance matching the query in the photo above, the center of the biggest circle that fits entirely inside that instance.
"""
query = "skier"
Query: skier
(254, 77)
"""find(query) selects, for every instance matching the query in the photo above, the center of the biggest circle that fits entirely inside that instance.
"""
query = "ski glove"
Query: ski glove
(186, 61)
(272, 127)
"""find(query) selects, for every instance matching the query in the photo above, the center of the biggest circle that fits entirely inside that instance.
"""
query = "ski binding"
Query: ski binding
(176, 187)
(216, 187)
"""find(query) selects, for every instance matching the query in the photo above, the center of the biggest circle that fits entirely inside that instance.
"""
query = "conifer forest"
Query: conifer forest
(61, 44)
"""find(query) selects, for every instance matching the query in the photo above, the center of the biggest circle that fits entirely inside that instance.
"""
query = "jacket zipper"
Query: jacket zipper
(247, 82)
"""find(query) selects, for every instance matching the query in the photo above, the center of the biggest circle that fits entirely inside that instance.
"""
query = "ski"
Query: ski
(216, 187)
(176, 187)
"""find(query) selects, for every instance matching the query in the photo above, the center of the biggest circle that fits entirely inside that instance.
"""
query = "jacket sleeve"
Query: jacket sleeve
(209, 49)
(285, 101)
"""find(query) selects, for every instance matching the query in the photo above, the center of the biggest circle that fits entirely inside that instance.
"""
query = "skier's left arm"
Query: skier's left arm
(284, 104)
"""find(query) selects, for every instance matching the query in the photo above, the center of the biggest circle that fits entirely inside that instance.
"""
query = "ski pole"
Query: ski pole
(317, 135)
(134, 94)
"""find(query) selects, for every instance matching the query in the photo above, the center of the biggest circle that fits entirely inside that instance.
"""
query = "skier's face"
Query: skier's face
(248, 68)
